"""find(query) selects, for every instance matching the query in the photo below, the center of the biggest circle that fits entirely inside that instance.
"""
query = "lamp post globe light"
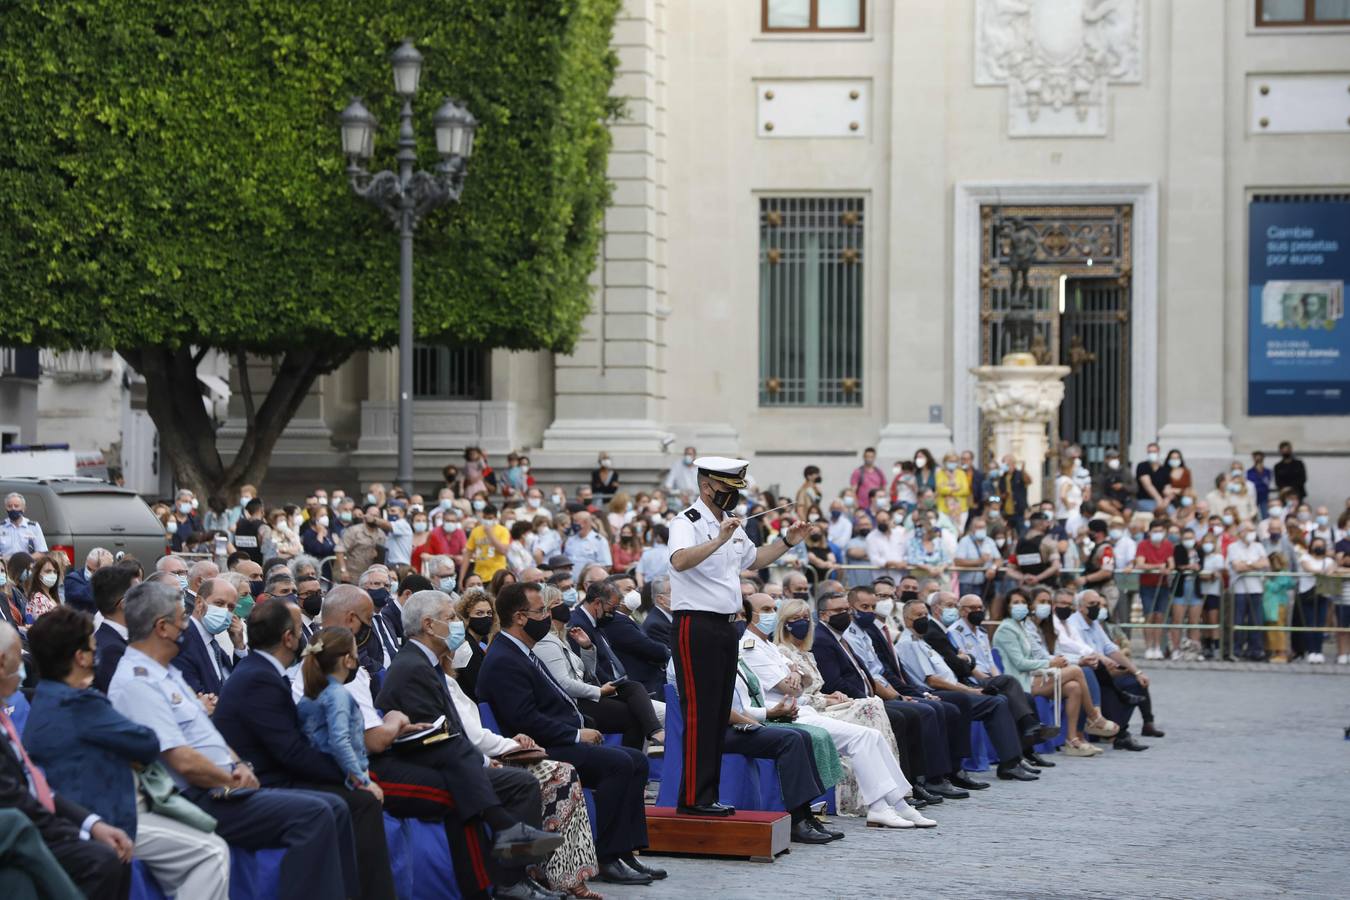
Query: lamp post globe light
(407, 196)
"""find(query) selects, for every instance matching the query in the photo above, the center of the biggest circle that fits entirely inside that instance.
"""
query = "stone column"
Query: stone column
(609, 394)
(1019, 401)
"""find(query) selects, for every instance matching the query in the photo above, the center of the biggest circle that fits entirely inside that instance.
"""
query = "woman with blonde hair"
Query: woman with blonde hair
(953, 488)
(794, 636)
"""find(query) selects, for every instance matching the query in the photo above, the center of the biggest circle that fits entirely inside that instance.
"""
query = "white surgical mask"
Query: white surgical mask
(885, 607)
(632, 600)
(1116, 534)
(1042, 611)
(323, 521)
(49, 578)
(463, 654)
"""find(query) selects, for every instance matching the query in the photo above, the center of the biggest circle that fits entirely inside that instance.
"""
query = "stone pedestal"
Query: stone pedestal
(1019, 401)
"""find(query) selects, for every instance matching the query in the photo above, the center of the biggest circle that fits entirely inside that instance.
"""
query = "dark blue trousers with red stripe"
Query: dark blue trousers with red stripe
(415, 787)
(704, 646)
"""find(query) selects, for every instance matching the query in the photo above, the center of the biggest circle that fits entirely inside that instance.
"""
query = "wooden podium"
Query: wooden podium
(758, 835)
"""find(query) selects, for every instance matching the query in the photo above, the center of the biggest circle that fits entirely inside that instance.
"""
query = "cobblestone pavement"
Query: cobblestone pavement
(1247, 796)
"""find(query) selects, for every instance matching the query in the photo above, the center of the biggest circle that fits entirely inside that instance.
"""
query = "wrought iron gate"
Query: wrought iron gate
(1080, 287)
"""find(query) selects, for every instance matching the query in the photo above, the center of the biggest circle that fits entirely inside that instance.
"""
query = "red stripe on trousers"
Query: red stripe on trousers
(691, 720)
(476, 856)
(416, 791)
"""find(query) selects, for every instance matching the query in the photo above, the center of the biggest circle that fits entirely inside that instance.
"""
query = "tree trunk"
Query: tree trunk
(187, 434)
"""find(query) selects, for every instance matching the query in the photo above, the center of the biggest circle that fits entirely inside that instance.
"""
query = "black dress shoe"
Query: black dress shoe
(1125, 742)
(803, 833)
(706, 809)
(525, 843)
(1014, 773)
(1151, 730)
(961, 778)
(946, 790)
(615, 872)
(1037, 760)
(820, 828)
(922, 793)
(916, 801)
(637, 865)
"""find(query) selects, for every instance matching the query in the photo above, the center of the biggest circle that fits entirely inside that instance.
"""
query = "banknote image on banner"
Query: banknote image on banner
(1298, 353)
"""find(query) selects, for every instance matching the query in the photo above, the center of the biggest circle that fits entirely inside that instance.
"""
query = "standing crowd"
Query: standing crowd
(485, 657)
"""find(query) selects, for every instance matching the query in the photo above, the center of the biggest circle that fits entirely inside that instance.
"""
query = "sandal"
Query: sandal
(1080, 748)
(1102, 727)
(584, 892)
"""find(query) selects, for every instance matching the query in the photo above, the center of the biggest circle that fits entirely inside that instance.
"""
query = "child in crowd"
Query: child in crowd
(1274, 602)
(329, 715)
(905, 487)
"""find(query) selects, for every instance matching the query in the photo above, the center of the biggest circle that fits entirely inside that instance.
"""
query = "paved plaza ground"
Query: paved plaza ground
(1247, 796)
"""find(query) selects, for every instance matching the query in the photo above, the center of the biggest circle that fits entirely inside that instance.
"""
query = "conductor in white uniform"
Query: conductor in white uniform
(708, 551)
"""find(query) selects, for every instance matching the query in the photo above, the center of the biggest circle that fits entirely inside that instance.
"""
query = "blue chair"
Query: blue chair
(490, 723)
(419, 855)
(982, 751)
(254, 874)
(740, 779)
(1045, 709)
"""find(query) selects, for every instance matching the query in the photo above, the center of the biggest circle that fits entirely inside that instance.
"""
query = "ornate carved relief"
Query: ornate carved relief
(1056, 58)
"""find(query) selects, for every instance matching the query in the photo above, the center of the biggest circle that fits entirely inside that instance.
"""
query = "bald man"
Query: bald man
(350, 607)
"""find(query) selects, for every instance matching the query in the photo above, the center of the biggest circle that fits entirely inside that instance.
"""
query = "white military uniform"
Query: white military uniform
(704, 601)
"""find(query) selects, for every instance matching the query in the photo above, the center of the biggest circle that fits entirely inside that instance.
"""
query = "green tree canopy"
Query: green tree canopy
(170, 178)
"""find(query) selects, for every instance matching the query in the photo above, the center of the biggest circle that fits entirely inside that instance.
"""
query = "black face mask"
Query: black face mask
(920, 626)
(537, 629)
(1090, 613)
(976, 618)
(883, 527)
(906, 596)
(725, 500)
(312, 604)
(802, 595)
(839, 621)
(1064, 612)
(362, 635)
(561, 613)
(480, 625)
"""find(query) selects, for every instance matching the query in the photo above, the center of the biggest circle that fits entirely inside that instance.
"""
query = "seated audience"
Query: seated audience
(87, 750)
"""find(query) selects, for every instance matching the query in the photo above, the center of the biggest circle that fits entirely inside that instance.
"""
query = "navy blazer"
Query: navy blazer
(644, 658)
(110, 647)
(524, 700)
(86, 749)
(837, 671)
(657, 627)
(890, 663)
(256, 715)
(194, 661)
(605, 657)
(79, 593)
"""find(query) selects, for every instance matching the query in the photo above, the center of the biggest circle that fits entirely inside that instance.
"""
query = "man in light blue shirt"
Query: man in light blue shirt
(925, 665)
(976, 559)
(587, 546)
(398, 547)
(1124, 686)
(17, 533)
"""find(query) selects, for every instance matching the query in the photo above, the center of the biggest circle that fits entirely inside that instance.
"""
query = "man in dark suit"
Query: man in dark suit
(929, 729)
(527, 700)
(204, 665)
(442, 775)
(640, 722)
(256, 716)
(644, 658)
(598, 606)
(110, 584)
(98, 866)
(79, 593)
(657, 625)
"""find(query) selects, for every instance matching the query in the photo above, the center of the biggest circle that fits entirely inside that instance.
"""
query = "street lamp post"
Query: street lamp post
(407, 196)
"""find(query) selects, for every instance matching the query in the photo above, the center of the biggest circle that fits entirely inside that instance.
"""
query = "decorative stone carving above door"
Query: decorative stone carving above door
(1056, 58)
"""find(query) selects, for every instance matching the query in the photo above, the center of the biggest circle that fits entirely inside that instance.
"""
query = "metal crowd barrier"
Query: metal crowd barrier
(1127, 584)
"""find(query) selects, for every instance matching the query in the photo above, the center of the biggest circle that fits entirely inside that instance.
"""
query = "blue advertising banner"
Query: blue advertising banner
(1298, 341)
